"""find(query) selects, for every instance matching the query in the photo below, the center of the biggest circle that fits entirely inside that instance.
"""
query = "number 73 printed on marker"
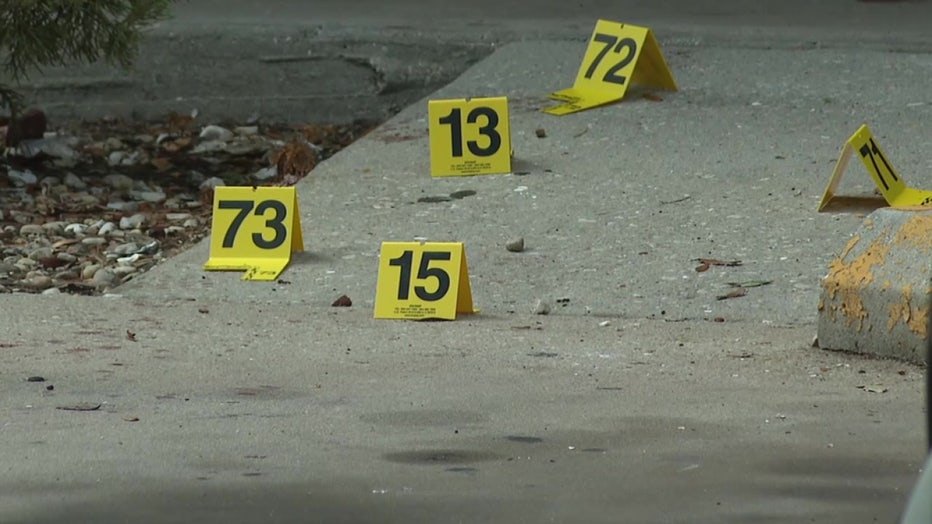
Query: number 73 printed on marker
(254, 229)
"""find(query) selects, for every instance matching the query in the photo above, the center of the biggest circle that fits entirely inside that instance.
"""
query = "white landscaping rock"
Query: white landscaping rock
(122, 158)
(122, 271)
(125, 249)
(129, 261)
(211, 183)
(266, 173)
(210, 146)
(75, 229)
(104, 278)
(74, 181)
(107, 229)
(213, 132)
(246, 130)
(119, 182)
(126, 207)
(133, 222)
(149, 196)
(31, 229)
(89, 271)
(22, 178)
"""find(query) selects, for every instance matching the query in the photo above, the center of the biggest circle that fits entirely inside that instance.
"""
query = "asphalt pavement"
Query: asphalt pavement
(640, 397)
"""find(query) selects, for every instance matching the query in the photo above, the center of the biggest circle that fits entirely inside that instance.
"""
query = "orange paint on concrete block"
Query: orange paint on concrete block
(916, 234)
(914, 317)
(845, 281)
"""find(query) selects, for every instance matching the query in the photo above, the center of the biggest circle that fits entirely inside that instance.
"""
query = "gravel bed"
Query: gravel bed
(89, 206)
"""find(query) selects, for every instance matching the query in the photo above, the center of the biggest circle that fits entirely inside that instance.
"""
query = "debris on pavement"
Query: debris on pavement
(734, 293)
(35, 379)
(706, 263)
(540, 132)
(750, 283)
(675, 201)
(81, 406)
(515, 245)
(462, 193)
(343, 301)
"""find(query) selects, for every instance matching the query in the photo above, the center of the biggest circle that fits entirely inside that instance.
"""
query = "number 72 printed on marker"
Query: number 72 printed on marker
(618, 55)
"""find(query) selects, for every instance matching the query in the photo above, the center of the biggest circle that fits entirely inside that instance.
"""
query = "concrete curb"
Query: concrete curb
(875, 298)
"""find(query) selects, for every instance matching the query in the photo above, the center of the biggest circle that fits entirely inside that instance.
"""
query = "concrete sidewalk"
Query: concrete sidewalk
(222, 400)
(239, 412)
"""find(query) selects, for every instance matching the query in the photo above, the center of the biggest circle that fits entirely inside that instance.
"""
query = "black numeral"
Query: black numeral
(874, 153)
(456, 131)
(612, 43)
(404, 281)
(454, 120)
(424, 272)
(276, 223)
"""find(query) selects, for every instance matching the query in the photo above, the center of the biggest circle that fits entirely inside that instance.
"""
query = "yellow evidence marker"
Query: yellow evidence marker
(469, 136)
(618, 55)
(418, 281)
(890, 184)
(254, 229)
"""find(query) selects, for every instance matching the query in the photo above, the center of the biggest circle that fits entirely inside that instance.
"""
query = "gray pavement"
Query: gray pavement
(289, 413)
(330, 61)
(628, 404)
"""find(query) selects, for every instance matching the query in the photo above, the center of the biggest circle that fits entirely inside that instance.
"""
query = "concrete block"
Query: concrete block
(875, 298)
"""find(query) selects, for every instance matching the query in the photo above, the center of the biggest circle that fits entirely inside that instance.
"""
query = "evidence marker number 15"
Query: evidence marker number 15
(427, 280)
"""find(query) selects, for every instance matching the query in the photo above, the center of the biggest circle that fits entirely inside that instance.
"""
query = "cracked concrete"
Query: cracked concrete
(297, 77)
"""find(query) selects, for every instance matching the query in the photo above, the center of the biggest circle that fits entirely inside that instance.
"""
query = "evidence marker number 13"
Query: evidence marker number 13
(469, 136)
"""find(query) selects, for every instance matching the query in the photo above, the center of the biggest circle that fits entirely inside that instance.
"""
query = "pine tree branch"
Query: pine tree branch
(10, 99)
(39, 33)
